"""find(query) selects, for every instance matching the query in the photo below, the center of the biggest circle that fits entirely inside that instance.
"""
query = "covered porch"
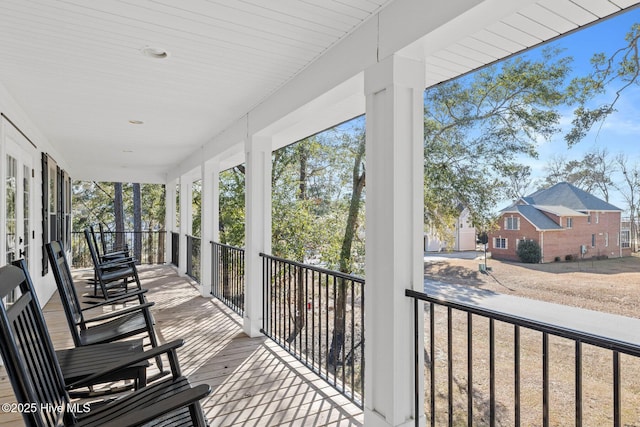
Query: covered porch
(160, 93)
(254, 381)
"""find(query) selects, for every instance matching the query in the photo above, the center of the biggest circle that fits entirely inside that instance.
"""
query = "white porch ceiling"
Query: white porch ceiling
(77, 69)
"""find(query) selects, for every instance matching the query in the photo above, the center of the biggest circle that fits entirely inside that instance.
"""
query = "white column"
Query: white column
(257, 227)
(210, 220)
(185, 222)
(170, 217)
(394, 223)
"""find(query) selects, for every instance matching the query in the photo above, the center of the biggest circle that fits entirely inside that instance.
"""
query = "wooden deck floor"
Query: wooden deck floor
(254, 382)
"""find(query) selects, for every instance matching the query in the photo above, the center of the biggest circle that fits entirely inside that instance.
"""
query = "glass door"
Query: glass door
(18, 178)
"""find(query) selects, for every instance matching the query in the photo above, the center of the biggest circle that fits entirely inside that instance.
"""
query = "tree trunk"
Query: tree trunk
(118, 213)
(300, 303)
(137, 223)
(346, 263)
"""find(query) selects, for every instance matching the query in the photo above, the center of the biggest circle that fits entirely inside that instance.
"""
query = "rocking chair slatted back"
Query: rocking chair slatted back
(67, 290)
(28, 353)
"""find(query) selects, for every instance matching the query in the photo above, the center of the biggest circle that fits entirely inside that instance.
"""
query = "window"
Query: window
(569, 222)
(606, 239)
(597, 218)
(499, 243)
(512, 223)
(56, 206)
(589, 219)
(625, 238)
(593, 240)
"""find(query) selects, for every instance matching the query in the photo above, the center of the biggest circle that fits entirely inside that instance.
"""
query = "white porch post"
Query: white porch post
(170, 217)
(257, 227)
(210, 219)
(394, 217)
(185, 222)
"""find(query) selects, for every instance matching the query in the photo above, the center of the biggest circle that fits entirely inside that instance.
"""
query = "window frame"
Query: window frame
(503, 240)
(509, 222)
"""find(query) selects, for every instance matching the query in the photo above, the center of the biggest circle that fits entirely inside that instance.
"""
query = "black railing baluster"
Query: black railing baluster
(545, 379)
(617, 410)
(578, 388)
(306, 317)
(313, 317)
(228, 275)
(151, 250)
(311, 336)
(432, 349)
(495, 412)
(492, 373)
(469, 369)
(353, 333)
(516, 373)
(416, 365)
(450, 365)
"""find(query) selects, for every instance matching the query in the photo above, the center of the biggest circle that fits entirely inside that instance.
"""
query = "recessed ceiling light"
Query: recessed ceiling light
(154, 52)
(136, 122)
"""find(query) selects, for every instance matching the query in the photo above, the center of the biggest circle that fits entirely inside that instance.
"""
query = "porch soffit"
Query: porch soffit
(77, 70)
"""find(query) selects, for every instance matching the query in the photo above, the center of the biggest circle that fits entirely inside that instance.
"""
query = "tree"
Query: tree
(478, 126)
(629, 190)
(346, 260)
(611, 75)
(592, 173)
(232, 203)
(519, 177)
(118, 213)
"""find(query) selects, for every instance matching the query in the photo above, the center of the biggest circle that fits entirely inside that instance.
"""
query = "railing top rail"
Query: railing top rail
(192, 237)
(224, 245)
(314, 268)
(535, 324)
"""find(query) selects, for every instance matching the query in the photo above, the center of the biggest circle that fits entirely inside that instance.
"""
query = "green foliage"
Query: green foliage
(529, 251)
(92, 203)
(476, 129)
(232, 205)
(610, 75)
(196, 208)
(312, 201)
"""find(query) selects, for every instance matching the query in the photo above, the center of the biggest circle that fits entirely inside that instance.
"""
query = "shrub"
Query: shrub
(556, 259)
(568, 257)
(529, 251)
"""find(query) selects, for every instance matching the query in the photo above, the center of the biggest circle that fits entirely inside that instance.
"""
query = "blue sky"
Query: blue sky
(621, 131)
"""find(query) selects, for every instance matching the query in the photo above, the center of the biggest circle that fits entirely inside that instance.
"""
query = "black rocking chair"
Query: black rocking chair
(112, 326)
(112, 275)
(38, 384)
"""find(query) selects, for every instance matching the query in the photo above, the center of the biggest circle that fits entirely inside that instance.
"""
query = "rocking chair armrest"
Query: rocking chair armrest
(116, 253)
(149, 413)
(168, 348)
(118, 262)
(121, 312)
(123, 297)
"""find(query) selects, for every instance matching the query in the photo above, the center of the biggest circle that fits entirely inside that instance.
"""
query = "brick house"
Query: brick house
(565, 221)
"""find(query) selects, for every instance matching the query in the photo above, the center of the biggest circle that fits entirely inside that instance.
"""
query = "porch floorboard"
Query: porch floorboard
(254, 382)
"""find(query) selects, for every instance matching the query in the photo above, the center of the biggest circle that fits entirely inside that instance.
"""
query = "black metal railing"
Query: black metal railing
(318, 316)
(175, 248)
(486, 367)
(227, 275)
(193, 257)
(152, 249)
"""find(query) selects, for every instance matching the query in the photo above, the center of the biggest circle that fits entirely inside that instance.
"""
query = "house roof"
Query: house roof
(560, 210)
(562, 199)
(569, 196)
(535, 217)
